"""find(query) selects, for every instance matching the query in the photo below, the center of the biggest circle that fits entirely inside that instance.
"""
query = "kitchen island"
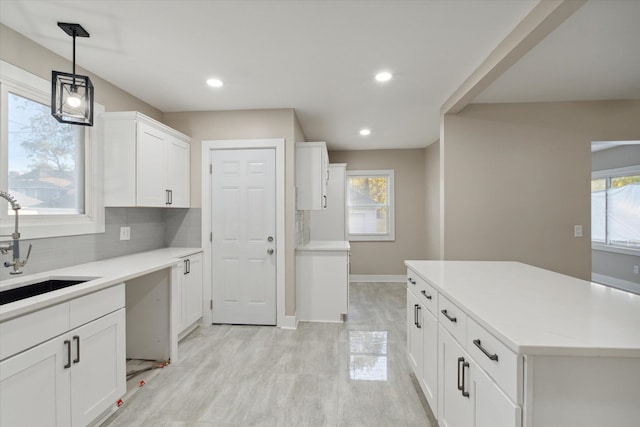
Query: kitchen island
(508, 344)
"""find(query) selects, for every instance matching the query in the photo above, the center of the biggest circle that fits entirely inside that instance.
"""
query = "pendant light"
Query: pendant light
(72, 94)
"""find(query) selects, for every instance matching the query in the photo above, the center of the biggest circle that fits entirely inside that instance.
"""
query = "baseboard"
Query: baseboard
(625, 285)
(289, 322)
(377, 278)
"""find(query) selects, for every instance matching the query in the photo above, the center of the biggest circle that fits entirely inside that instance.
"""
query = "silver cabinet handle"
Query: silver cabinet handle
(270, 251)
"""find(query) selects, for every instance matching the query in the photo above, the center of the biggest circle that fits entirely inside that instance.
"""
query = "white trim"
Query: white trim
(44, 226)
(614, 173)
(289, 322)
(390, 235)
(378, 278)
(279, 146)
(616, 249)
(613, 282)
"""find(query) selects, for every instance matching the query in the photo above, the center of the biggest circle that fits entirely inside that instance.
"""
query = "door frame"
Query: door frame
(243, 144)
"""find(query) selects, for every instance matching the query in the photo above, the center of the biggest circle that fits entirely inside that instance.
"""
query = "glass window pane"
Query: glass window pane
(45, 159)
(623, 211)
(598, 210)
(367, 200)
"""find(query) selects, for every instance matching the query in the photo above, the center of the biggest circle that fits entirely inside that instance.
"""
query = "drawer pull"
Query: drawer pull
(423, 292)
(413, 282)
(486, 353)
(453, 319)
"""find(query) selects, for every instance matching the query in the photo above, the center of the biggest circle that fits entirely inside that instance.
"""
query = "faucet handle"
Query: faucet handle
(28, 255)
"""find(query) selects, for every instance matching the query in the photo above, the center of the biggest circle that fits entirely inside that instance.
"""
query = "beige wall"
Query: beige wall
(516, 179)
(24, 53)
(388, 257)
(432, 199)
(247, 124)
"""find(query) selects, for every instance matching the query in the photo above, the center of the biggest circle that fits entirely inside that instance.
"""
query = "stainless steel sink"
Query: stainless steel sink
(41, 287)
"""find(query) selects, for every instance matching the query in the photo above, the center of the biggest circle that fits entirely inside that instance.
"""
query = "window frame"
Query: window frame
(373, 237)
(26, 84)
(608, 174)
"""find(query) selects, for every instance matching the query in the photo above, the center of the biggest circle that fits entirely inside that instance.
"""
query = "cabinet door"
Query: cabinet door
(414, 334)
(98, 368)
(151, 167)
(429, 380)
(34, 386)
(455, 409)
(178, 158)
(493, 407)
(193, 290)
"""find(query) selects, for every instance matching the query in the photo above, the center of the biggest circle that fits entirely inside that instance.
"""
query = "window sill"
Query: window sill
(616, 249)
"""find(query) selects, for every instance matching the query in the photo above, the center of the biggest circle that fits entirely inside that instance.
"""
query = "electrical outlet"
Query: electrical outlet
(577, 231)
(125, 233)
(635, 269)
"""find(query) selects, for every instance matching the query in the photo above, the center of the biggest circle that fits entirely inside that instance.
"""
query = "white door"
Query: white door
(243, 222)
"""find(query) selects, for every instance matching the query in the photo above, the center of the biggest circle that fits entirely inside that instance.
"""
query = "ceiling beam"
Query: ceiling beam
(545, 17)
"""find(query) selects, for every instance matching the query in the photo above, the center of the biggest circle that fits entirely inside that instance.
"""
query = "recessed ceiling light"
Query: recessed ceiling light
(214, 82)
(365, 132)
(384, 76)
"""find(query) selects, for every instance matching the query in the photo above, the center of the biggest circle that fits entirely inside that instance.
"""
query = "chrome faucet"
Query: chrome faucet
(14, 246)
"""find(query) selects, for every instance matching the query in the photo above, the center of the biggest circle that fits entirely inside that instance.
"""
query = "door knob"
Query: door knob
(270, 251)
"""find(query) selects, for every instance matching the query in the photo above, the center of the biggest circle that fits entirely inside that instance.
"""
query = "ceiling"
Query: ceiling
(320, 57)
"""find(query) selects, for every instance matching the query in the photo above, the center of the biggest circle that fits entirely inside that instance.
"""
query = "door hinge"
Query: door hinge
(210, 168)
(211, 304)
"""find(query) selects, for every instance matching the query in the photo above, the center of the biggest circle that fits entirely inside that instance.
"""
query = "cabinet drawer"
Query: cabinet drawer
(412, 282)
(90, 307)
(427, 295)
(26, 331)
(502, 364)
(453, 319)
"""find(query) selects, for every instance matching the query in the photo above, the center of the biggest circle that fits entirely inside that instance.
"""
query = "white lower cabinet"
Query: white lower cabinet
(468, 397)
(190, 295)
(68, 380)
(429, 379)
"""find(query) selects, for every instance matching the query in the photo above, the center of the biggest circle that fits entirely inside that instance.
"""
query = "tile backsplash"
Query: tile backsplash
(151, 228)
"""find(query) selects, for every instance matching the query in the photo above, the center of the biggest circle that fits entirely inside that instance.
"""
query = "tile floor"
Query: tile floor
(322, 374)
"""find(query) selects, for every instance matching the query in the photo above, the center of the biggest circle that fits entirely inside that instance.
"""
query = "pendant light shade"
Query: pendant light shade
(72, 94)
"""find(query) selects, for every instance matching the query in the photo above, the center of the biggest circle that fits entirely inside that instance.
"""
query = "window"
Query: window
(52, 169)
(370, 205)
(615, 208)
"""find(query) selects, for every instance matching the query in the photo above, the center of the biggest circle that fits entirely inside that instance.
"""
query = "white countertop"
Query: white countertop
(325, 245)
(539, 312)
(106, 273)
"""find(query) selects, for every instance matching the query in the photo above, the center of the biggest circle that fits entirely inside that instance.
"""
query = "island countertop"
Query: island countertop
(101, 274)
(539, 312)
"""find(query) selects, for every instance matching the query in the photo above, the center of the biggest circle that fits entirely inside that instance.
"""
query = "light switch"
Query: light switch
(125, 233)
(577, 231)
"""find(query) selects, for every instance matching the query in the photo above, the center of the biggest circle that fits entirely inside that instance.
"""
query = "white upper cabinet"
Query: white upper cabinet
(146, 162)
(312, 175)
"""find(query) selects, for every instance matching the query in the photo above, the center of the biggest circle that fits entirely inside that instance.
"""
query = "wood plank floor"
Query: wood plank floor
(351, 374)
